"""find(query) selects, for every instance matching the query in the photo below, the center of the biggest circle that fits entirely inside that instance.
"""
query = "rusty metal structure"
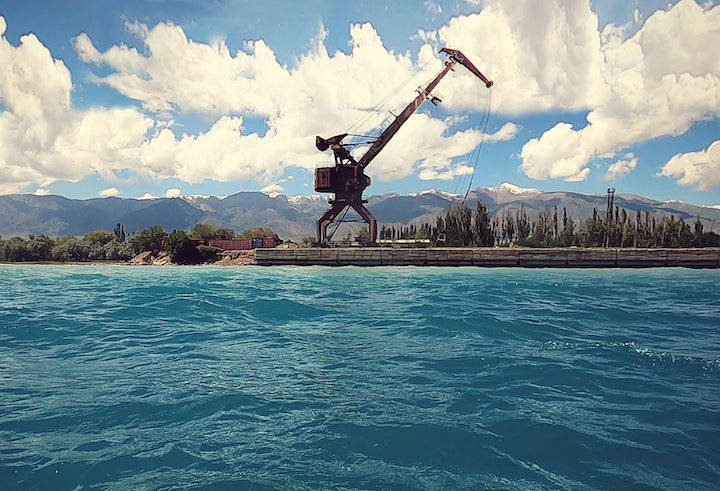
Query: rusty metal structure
(347, 179)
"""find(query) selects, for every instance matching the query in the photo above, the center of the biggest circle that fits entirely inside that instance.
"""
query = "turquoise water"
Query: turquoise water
(116, 377)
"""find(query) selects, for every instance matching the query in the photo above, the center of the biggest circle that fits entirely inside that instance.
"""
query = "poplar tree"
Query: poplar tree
(482, 233)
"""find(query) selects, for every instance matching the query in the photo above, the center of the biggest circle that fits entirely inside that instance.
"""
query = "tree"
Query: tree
(225, 233)
(567, 236)
(629, 233)
(543, 229)
(150, 239)
(458, 227)
(69, 248)
(256, 233)
(508, 228)
(363, 235)
(592, 232)
(117, 251)
(96, 243)
(482, 233)
(101, 237)
(181, 249)
(308, 241)
(17, 250)
(441, 237)
(203, 231)
(120, 232)
(40, 248)
(522, 223)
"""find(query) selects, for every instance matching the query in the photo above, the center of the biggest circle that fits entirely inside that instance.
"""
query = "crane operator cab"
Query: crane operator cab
(345, 176)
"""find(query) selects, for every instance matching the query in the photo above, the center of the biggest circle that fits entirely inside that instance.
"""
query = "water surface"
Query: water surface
(358, 378)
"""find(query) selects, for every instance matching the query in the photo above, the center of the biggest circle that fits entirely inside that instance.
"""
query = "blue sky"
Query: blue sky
(161, 98)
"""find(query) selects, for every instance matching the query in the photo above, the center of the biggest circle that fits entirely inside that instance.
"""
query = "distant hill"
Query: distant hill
(294, 218)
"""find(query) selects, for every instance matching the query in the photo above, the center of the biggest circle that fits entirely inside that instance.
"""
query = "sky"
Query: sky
(155, 98)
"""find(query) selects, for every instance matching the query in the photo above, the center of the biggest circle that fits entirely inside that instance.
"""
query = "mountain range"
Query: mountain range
(294, 217)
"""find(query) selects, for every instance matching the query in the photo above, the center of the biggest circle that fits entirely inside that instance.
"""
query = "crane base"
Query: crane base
(337, 206)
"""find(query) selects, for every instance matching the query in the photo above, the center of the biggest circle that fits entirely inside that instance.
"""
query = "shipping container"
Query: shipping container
(231, 245)
(269, 242)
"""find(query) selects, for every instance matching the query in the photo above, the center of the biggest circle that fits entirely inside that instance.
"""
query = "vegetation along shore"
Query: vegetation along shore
(640, 240)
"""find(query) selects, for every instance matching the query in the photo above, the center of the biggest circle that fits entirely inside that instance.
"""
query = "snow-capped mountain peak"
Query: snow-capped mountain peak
(507, 187)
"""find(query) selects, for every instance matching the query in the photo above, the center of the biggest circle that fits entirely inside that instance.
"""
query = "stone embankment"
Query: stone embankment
(493, 257)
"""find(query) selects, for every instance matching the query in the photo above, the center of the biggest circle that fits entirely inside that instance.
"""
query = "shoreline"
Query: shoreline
(484, 257)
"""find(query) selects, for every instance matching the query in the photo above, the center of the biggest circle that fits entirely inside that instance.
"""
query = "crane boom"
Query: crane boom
(423, 93)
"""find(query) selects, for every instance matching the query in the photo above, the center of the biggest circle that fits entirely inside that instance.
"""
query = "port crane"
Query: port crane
(347, 179)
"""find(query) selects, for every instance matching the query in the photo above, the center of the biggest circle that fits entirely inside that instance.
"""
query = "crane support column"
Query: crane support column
(336, 208)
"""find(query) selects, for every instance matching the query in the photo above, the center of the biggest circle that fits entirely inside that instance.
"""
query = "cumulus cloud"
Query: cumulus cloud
(700, 169)
(272, 188)
(550, 57)
(557, 155)
(105, 193)
(324, 94)
(545, 56)
(507, 132)
(44, 139)
(621, 168)
(35, 93)
(658, 83)
(173, 193)
(430, 174)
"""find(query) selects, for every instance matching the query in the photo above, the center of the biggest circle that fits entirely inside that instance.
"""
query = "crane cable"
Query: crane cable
(338, 223)
(475, 156)
(383, 102)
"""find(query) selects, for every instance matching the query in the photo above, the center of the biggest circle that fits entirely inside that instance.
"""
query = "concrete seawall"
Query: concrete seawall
(493, 257)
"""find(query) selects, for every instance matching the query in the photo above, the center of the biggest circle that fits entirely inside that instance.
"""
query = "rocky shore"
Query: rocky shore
(226, 258)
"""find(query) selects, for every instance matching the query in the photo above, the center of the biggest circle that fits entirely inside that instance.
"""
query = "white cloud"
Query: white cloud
(35, 96)
(507, 132)
(542, 56)
(558, 155)
(173, 193)
(272, 188)
(432, 8)
(181, 74)
(549, 57)
(43, 139)
(148, 196)
(424, 143)
(105, 193)
(700, 169)
(621, 168)
(430, 174)
(323, 94)
(38, 191)
(660, 81)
